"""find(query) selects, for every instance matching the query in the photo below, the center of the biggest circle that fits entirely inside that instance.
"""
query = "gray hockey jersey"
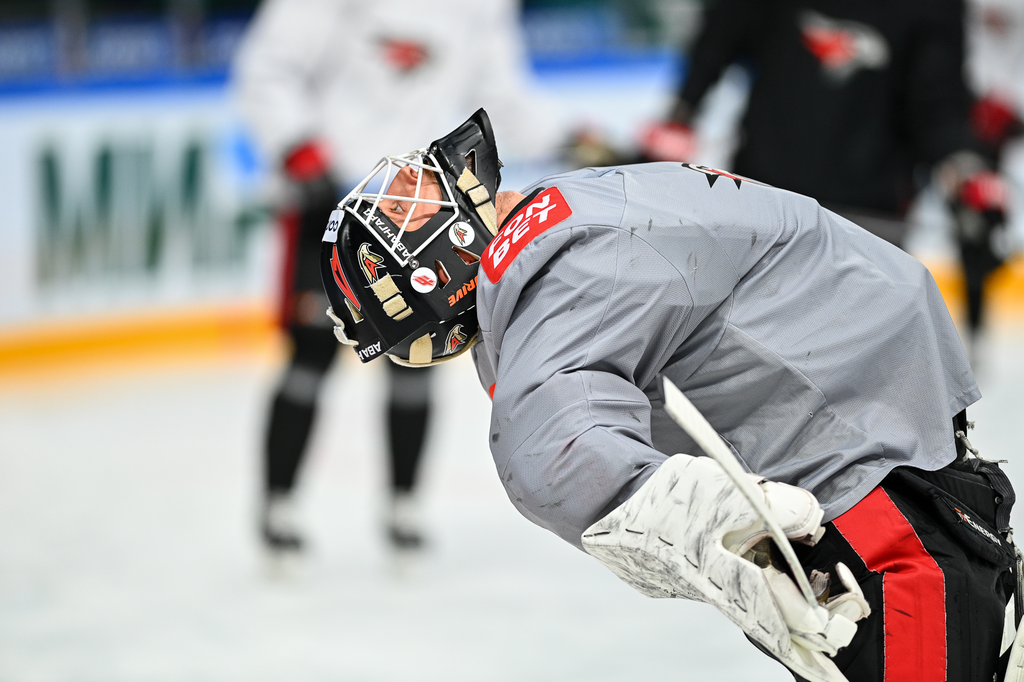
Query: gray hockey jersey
(824, 356)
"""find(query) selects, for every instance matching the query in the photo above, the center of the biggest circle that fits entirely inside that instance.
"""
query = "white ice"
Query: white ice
(127, 550)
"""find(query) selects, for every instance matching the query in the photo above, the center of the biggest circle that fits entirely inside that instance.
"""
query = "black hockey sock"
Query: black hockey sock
(290, 424)
(406, 429)
(294, 405)
(978, 263)
(975, 301)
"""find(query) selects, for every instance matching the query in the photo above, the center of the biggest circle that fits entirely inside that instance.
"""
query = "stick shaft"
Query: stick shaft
(684, 413)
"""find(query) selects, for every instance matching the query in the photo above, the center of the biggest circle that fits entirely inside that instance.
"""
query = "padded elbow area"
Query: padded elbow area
(565, 486)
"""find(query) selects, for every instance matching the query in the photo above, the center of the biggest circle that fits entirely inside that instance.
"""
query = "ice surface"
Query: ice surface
(128, 550)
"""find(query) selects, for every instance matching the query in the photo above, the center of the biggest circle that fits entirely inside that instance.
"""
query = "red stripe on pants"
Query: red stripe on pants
(290, 227)
(913, 588)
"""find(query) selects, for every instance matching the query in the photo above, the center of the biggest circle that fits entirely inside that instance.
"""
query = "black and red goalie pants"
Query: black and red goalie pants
(938, 585)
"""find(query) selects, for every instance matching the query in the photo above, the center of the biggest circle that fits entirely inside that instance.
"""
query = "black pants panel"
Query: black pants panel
(960, 595)
(293, 410)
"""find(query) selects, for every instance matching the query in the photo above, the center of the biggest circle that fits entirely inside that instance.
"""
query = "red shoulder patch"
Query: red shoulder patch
(546, 210)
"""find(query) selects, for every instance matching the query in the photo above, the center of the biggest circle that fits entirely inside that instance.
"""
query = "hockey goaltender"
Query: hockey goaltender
(823, 358)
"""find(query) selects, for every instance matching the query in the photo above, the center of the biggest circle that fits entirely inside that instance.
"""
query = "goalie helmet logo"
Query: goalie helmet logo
(456, 339)
(370, 263)
(461, 234)
(341, 280)
(423, 280)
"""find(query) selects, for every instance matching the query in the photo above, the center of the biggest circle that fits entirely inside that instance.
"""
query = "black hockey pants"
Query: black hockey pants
(927, 550)
(294, 408)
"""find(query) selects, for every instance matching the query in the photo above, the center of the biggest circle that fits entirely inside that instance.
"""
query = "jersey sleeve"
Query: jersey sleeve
(728, 29)
(937, 96)
(570, 426)
(276, 70)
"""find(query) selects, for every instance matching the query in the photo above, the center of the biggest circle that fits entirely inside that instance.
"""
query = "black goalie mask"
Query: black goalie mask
(404, 289)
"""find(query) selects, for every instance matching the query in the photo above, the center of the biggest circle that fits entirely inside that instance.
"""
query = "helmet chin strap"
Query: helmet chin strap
(481, 199)
(425, 345)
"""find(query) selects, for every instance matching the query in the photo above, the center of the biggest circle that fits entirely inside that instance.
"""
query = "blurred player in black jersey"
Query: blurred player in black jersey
(995, 38)
(849, 102)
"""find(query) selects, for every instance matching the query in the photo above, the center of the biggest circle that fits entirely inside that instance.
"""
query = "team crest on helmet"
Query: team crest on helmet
(341, 280)
(370, 263)
(461, 234)
(456, 339)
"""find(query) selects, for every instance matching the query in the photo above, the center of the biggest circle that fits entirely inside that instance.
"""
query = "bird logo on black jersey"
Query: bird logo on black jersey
(842, 47)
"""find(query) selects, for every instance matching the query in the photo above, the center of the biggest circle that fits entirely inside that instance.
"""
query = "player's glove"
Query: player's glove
(985, 191)
(588, 147)
(799, 515)
(668, 141)
(307, 167)
(980, 208)
(682, 535)
(993, 121)
(809, 627)
(313, 195)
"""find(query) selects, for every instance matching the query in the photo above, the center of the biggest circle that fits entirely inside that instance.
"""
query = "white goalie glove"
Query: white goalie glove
(689, 533)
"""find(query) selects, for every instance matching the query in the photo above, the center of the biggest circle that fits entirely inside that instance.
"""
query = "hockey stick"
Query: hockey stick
(693, 422)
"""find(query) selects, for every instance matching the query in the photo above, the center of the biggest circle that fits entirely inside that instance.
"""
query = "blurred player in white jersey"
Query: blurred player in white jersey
(318, 81)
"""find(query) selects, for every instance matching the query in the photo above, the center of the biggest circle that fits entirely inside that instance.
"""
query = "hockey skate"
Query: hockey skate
(402, 522)
(281, 539)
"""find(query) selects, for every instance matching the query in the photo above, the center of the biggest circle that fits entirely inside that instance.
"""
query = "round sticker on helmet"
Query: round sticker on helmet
(461, 234)
(423, 280)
